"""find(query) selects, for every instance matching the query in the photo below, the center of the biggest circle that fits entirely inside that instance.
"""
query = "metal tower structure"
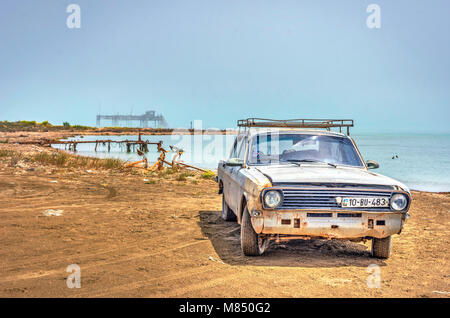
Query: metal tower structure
(144, 120)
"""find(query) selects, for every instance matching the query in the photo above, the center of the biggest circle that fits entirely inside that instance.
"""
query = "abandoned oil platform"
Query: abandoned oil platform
(150, 116)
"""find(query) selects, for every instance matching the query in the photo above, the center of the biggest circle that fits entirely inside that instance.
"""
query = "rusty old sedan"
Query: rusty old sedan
(288, 180)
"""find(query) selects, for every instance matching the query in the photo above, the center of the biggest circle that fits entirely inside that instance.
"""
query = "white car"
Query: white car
(285, 180)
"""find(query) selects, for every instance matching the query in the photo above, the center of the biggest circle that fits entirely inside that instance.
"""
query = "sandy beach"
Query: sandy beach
(161, 235)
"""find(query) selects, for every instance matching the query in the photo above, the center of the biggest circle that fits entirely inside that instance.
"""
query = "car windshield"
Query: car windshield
(279, 148)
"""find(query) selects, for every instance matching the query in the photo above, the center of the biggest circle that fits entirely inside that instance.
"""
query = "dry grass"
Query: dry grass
(183, 176)
(13, 156)
(61, 159)
(57, 159)
(7, 153)
(166, 172)
(208, 174)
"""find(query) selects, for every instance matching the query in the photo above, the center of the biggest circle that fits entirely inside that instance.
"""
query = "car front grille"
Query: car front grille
(326, 198)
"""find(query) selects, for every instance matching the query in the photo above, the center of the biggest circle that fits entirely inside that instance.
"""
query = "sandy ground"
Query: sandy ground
(166, 239)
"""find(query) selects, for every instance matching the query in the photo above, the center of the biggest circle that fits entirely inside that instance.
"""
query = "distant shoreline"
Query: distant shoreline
(24, 126)
(33, 149)
(43, 137)
(33, 136)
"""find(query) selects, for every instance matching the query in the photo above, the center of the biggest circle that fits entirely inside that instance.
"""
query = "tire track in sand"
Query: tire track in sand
(103, 251)
(39, 274)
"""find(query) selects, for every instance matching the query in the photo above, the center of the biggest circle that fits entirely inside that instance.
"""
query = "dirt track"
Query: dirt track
(168, 240)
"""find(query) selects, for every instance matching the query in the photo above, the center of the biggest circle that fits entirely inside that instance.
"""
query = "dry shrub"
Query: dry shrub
(208, 174)
(58, 159)
(7, 153)
(62, 159)
(15, 157)
(182, 176)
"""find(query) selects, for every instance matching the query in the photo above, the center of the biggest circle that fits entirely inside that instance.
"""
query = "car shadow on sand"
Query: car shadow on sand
(225, 237)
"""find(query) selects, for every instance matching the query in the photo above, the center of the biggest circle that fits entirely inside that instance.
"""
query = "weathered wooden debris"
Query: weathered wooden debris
(142, 148)
(72, 144)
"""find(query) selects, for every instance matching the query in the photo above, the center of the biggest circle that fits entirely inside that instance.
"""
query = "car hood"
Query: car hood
(325, 174)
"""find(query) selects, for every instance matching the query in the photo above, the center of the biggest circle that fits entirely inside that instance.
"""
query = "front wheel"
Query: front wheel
(251, 243)
(381, 248)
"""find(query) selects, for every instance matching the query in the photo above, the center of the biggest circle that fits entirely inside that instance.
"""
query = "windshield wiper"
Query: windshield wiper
(310, 160)
(295, 162)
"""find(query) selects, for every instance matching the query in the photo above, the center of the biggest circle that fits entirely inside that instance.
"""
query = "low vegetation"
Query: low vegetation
(179, 174)
(166, 172)
(60, 159)
(27, 125)
(208, 174)
(184, 175)
(7, 153)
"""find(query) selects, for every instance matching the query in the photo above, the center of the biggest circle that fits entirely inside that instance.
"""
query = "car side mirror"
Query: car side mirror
(372, 164)
(234, 162)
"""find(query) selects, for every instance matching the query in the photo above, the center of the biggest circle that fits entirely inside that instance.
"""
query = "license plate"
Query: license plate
(365, 202)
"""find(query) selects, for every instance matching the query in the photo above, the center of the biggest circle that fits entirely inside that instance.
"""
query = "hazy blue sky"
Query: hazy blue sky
(220, 61)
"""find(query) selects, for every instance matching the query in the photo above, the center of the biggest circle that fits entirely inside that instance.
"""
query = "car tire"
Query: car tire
(381, 248)
(227, 213)
(250, 242)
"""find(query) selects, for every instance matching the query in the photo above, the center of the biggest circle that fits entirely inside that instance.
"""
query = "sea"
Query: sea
(421, 161)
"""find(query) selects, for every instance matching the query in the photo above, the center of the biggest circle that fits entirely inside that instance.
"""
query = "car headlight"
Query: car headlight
(399, 202)
(272, 198)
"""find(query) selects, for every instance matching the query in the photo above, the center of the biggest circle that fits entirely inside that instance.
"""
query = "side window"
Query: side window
(236, 147)
(242, 150)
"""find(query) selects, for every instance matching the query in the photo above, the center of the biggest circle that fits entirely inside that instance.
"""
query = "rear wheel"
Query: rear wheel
(381, 248)
(227, 214)
(251, 243)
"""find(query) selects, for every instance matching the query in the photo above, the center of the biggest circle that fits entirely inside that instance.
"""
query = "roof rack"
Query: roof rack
(297, 123)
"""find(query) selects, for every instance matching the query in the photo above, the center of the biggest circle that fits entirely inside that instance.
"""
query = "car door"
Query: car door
(227, 172)
(237, 178)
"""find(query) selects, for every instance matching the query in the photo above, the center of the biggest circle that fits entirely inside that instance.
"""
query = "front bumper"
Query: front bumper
(328, 223)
